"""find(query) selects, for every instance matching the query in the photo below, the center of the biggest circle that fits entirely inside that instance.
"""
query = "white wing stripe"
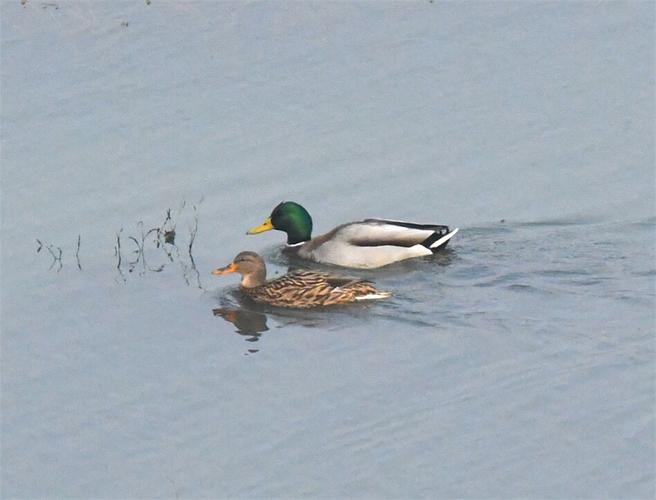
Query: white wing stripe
(444, 238)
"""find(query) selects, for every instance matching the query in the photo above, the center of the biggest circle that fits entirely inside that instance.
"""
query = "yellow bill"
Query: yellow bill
(265, 226)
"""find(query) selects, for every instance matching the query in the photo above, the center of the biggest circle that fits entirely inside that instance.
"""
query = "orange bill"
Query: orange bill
(230, 268)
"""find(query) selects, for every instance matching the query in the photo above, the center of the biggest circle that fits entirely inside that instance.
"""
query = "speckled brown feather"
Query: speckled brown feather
(304, 289)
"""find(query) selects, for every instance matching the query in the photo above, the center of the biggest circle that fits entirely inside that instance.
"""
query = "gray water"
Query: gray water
(518, 362)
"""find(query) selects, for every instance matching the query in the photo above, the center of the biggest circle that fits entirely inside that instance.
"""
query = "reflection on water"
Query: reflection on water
(166, 252)
(251, 319)
(163, 238)
(248, 323)
(146, 249)
(55, 253)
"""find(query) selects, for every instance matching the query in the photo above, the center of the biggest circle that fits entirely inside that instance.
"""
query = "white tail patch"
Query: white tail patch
(375, 296)
(444, 238)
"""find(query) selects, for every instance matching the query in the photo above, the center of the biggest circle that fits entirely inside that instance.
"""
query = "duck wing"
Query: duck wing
(299, 289)
(374, 243)
(344, 290)
(303, 289)
(306, 279)
(379, 232)
(339, 282)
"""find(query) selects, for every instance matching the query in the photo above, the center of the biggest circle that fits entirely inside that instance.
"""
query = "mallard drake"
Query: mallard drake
(302, 289)
(365, 244)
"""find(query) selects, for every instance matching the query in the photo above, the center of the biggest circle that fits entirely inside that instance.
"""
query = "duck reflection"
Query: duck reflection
(251, 320)
(250, 317)
(250, 324)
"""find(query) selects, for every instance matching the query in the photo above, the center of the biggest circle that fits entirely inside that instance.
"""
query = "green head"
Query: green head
(291, 218)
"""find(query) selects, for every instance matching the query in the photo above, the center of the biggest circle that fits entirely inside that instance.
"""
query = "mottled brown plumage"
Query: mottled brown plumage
(301, 289)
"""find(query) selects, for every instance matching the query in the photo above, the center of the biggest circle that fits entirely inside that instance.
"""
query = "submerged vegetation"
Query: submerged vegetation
(54, 251)
(145, 250)
(163, 238)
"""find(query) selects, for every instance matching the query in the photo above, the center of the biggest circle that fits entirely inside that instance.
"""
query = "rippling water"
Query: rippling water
(518, 362)
(562, 276)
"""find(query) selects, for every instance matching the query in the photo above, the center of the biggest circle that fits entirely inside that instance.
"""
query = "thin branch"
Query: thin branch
(77, 252)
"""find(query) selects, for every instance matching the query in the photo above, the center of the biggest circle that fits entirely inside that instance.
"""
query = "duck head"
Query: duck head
(291, 218)
(251, 267)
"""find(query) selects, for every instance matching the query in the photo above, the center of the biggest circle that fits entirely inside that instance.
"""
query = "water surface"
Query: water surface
(519, 362)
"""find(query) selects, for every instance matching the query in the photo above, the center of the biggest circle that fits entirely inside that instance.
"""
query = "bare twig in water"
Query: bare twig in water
(168, 217)
(192, 233)
(117, 252)
(136, 243)
(143, 255)
(59, 258)
(192, 238)
(117, 249)
(77, 252)
(164, 238)
(162, 229)
(56, 255)
(165, 235)
(139, 251)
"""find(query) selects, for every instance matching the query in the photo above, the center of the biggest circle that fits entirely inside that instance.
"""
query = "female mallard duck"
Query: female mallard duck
(300, 289)
(364, 244)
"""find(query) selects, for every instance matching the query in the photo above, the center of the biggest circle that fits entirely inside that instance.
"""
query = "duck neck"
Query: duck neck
(254, 279)
(295, 239)
(297, 224)
(299, 232)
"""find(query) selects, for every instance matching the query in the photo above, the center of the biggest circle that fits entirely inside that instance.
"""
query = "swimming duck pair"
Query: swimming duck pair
(365, 244)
